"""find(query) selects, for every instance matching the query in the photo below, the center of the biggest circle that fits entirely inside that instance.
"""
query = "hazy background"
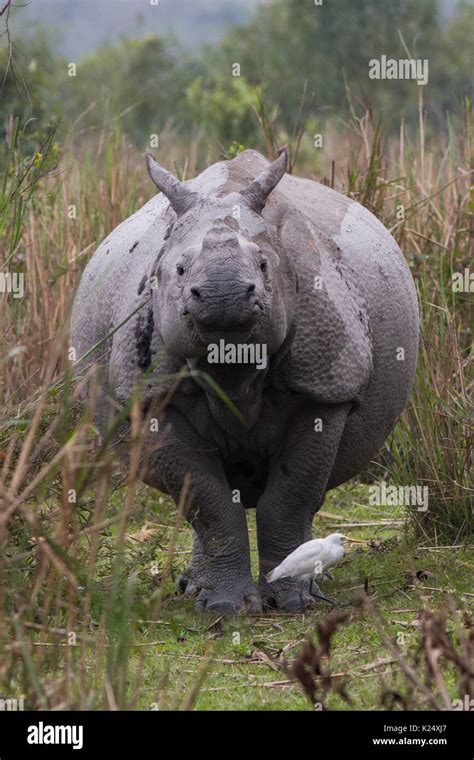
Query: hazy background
(80, 26)
(147, 69)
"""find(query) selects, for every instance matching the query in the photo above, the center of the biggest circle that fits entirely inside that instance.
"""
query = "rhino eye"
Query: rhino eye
(264, 265)
(180, 270)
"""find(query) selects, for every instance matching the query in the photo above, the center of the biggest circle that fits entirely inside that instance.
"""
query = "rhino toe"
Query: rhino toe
(229, 605)
(187, 584)
(288, 595)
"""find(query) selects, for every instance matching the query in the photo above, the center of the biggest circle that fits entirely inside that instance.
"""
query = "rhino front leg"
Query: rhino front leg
(299, 472)
(222, 552)
(194, 578)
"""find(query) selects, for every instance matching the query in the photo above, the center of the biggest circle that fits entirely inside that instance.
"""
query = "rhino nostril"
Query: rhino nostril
(251, 288)
(195, 292)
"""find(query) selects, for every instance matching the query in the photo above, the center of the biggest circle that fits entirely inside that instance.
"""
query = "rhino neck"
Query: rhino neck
(241, 370)
(244, 389)
(239, 382)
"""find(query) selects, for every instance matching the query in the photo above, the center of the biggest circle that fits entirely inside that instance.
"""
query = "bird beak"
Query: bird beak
(354, 540)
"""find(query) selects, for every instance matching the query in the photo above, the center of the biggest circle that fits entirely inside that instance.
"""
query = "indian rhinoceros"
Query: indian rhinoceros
(295, 316)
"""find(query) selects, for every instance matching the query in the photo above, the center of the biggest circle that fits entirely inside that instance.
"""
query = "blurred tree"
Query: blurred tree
(139, 83)
(221, 106)
(290, 41)
(452, 67)
(143, 85)
(30, 83)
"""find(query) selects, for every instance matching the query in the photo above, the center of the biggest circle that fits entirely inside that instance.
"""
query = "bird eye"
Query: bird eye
(264, 265)
(180, 270)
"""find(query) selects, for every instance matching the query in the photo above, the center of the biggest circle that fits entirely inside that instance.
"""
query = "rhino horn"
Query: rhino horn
(180, 197)
(257, 193)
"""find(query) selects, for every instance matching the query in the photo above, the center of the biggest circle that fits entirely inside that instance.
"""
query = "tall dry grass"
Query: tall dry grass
(63, 563)
(421, 192)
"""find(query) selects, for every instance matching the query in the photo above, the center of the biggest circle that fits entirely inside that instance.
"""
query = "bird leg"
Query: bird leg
(317, 594)
(302, 602)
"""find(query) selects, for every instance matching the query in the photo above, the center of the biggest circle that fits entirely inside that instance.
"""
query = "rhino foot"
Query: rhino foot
(187, 584)
(192, 580)
(229, 602)
(288, 595)
(218, 601)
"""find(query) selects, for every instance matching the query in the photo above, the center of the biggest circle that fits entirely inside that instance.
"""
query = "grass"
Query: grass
(91, 618)
(244, 674)
(168, 647)
(438, 421)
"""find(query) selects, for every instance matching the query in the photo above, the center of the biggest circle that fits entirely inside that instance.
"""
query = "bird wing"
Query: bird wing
(301, 561)
(335, 553)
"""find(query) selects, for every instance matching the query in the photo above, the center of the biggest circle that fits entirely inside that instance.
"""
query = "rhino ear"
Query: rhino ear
(257, 193)
(180, 197)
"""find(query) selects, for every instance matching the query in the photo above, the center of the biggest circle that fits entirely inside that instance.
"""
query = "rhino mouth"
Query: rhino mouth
(238, 334)
(209, 330)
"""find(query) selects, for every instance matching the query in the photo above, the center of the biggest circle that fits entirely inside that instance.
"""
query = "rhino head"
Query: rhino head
(222, 272)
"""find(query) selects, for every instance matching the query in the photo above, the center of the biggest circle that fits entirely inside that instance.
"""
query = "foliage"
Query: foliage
(29, 83)
(136, 85)
(150, 84)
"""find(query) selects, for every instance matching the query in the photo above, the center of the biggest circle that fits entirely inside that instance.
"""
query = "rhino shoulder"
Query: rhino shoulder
(330, 356)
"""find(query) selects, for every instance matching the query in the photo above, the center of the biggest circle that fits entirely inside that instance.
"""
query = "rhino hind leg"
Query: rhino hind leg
(289, 595)
(299, 474)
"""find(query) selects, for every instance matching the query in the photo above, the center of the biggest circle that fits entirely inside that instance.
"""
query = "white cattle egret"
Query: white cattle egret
(312, 559)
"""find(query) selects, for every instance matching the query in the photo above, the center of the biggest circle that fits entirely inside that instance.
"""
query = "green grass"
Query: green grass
(165, 645)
